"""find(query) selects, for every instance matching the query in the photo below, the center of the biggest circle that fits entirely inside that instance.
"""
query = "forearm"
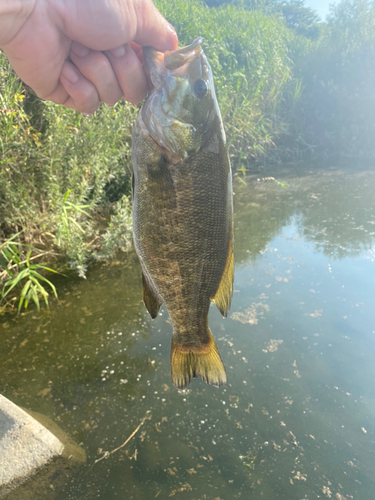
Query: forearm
(13, 14)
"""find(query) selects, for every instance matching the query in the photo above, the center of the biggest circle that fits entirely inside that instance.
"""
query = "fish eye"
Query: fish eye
(200, 88)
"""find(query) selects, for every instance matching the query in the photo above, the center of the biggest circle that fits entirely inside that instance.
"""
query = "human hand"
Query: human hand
(101, 38)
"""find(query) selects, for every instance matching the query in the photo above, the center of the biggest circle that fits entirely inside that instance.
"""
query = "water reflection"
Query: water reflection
(334, 210)
(297, 417)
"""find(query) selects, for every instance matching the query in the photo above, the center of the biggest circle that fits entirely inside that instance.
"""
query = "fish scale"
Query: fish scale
(182, 208)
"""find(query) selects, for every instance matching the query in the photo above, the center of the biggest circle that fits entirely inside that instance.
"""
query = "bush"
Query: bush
(47, 151)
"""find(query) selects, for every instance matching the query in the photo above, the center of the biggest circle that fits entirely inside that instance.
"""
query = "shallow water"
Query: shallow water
(296, 420)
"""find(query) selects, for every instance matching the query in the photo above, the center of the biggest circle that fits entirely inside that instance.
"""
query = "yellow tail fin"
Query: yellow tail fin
(188, 363)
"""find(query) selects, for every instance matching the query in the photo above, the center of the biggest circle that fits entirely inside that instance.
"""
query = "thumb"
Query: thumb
(153, 29)
(106, 24)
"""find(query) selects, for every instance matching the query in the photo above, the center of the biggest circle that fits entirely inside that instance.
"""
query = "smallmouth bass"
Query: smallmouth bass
(182, 207)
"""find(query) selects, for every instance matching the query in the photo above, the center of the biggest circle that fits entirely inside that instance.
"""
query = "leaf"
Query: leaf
(39, 289)
(76, 208)
(75, 223)
(28, 297)
(67, 194)
(28, 258)
(15, 281)
(50, 270)
(8, 255)
(34, 296)
(11, 238)
(39, 276)
(23, 294)
(3, 262)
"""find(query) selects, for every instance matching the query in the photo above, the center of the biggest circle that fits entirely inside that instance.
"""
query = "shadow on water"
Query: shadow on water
(296, 420)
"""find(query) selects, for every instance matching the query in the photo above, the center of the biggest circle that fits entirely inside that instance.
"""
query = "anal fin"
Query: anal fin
(152, 303)
(223, 295)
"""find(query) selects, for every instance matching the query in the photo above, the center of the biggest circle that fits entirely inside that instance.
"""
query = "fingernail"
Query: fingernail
(118, 51)
(79, 49)
(70, 73)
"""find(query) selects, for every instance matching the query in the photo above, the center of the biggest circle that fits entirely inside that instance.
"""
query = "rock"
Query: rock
(26, 446)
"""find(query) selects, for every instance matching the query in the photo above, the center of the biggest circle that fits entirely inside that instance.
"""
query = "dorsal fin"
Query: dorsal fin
(223, 295)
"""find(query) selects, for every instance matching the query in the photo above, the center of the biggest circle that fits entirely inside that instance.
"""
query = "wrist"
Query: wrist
(13, 14)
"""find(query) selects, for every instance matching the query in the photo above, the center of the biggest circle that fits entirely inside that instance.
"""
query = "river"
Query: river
(297, 418)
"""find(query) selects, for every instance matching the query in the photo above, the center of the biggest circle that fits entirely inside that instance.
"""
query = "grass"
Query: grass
(21, 275)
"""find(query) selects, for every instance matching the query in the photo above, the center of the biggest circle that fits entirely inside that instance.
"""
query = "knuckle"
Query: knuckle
(88, 108)
(92, 65)
(101, 63)
(86, 101)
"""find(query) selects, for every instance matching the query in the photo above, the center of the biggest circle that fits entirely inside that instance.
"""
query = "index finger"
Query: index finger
(129, 73)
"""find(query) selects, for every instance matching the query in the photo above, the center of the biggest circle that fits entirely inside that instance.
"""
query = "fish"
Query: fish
(183, 207)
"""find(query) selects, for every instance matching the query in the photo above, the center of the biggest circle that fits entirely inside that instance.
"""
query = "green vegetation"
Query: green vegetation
(288, 85)
(62, 178)
(303, 20)
(21, 273)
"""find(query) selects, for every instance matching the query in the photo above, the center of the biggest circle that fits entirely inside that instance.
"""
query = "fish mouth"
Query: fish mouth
(177, 58)
(159, 64)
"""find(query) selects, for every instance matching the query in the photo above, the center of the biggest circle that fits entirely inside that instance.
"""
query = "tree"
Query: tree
(300, 18)
(297, 16)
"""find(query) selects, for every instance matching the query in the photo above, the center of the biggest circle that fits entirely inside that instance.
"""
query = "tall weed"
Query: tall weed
(18, 272)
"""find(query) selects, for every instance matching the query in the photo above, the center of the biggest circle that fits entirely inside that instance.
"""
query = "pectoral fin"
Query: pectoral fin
(223, 295)
(149, 298)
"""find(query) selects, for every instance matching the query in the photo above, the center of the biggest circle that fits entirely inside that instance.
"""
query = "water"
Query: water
(296, 420)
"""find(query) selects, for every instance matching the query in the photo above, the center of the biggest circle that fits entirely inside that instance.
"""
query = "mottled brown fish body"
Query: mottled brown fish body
(182, 219)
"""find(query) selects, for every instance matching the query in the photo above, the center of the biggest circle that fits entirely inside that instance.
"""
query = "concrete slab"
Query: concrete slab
(25, 445)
